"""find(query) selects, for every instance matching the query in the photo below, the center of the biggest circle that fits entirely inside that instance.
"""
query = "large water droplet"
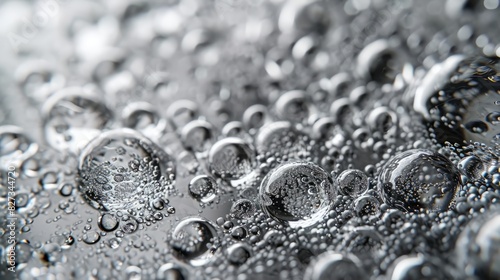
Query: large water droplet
(477, 247)
(122, 170)
(417, 267)
(73, 117)
(352, 182)
(194, 241)
(231, 158)
(417, 180)
(298, 194)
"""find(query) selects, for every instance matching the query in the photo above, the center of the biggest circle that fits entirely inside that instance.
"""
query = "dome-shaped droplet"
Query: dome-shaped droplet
(15, 146)
(142, 117)
(91, 237)
(231, 158)
(203, 188)
(298, 193)
(417, 180)
(73, 117)
(121, 170)
(197, 136)
(417, 267)
(238, 253)
(335, 266)
(293, 106)
(477, 248)
(172, 271)
(458, 99)
(366, 205)
(242, 209)
(108, 222)
(194, 241)
(304, 16)
(281, 139)
(352, 182)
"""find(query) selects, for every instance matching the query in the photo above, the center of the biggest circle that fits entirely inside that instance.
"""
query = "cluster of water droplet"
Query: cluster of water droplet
(227, 139)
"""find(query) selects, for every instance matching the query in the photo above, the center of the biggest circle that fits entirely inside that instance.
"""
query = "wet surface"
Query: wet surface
(265, 139)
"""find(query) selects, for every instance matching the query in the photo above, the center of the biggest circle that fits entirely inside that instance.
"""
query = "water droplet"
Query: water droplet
(493, 118)
(418, 180)
(304, 17)
(91, 237)
(472, 167)
(285, 194)
(133, 273)
(73, 117)
(476, 127)
(477, 247)
(203, 188)
(231, 158)
(108, 222)
(242, 209)
(352, 182)
(171, 271)
(197, 136)
(293, 106)
(255, 116)
(66, 189)
(194, 241)
(378, 62)
(142, 117)
(182, 112)
(280, 139)
(146, 171)
(129, 225)
(15, 146)
(238, 254)
(366, 205)
(417, 267)
(330, 265)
